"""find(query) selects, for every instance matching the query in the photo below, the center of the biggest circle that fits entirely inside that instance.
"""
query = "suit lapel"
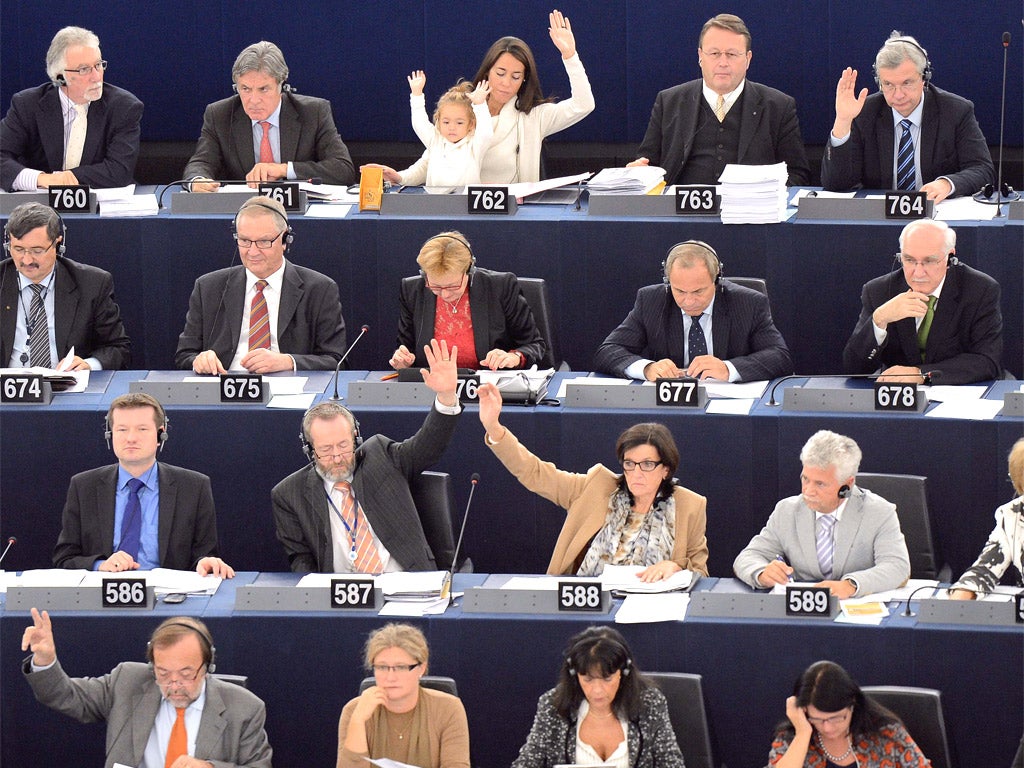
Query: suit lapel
(943, 321)
(720, 324)
(750, 118)
(427, 310)
(51, 129)
(65, 305)
(106, 494)
(806, 536)
(673, 321)
(315, 499)
(242, 138)
(291, 128)
(846, 531)
(478, 314)
(95, 120)
(10, 303)
(145, 704)
(689, 118)
(213, 721)
(886, 138)
(234, 307)
(168, 493)
(929, 133)
(291, 294)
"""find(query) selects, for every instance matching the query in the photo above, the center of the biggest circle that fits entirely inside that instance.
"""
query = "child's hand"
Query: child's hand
(479, 95)
(417, 80)
(390, 174)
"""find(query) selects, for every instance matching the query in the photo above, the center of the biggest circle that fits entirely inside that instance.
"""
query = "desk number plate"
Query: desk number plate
(71, 198)
(124, 593)
(466, 389)
(488, 199)
(697, 201)
(895, 397)
(1018, 607)
(285, 192)
(352, 593)
(808, 601)
(241, 388)
(905, 205)
(579, 596)
(676, 392)
(22, 388)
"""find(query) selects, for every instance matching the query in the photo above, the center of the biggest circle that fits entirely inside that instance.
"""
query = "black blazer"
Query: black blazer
(742, 332)
(502, 319)
(86, 316)
(310, 327)
(187, 525)
(769, 130)
(32, 136)
(952, 145)
(309, 139)
(965, 341)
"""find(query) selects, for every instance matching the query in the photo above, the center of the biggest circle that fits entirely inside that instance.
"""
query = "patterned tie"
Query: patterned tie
(76, 138)
(825, 544)
(720, 110)
(698, 343)
(367, 559)
(259, 319)
(266, 153)
(926, 326)
(38, 331)
(905, 159)
(177, 745)
(131, 526)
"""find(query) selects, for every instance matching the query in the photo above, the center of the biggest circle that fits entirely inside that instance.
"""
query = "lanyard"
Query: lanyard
(352, 530)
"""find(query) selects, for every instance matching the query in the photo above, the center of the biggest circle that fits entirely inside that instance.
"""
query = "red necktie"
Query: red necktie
(177, 745)
(266, 153)
(259, 319)
(366, 559)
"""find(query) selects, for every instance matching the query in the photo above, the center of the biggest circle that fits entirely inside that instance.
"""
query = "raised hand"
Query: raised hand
(39, 639)
(417, 80)
(442, 374)
(848, 102)
(560, 31)
(480, 93)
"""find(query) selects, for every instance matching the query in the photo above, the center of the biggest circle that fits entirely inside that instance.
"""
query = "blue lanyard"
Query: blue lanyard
(352, 530)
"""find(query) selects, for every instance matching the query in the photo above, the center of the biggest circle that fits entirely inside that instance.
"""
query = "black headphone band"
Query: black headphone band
(926, 73)
(255, 202)
(336, 410)
(209, 649)
(62, 235)
(697, 244)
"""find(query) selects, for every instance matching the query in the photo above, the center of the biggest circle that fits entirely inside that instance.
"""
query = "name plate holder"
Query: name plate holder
(175, 391)
(368, 392)
(817, 398)
(1013, 404)
(976, 612)
(11, 200)
(253, 597)
(636, 205)
(426, 204)
(222, 202)
(68, 599)
(1015, 210)
(619, 396)
(491, 597)
(743, 605)
(847, 208)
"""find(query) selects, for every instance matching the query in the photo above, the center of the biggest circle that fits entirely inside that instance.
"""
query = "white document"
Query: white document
(387, 762)
(413, 610)
(51, 577)
(527, 188)
(964, 209)
(949, 393)
(977, 410)
(411, 585)
(287, 385)
(738, 389)
(298, 402)
(648, 609)
(533, 582)
(117, 193)
(163, 580)
(137, 205)
(902, 593)
(804, 192)
(626, 578)
(328, 211)
(730, 407)
(626, 181)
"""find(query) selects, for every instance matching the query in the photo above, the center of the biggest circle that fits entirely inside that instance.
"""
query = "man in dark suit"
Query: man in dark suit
(699, 127)
(267, 315)
(932, 135)
(350, 508)
(74, 129)
(936, 314)
(267, 132)
(154, 711)
(139, 513)
(49, 304)
(696, 325)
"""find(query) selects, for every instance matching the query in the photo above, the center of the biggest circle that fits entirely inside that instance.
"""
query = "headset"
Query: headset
(472, 256)
(62, 236)
(254, 202)
(926, 73)
(698, 244)
(845, 491)
(209, 649)
(335, 410)
(161, 432)
(590, 638)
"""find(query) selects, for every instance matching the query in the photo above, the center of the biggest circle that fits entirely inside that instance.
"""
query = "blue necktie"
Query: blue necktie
(698, 344)
(905, 159)
(825, 544)
(131, 526)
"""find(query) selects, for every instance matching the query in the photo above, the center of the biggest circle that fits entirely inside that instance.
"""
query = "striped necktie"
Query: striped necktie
(905, 159)
(38, 330)
(825, 544)
(364, 555)
(259, 319)
(720, 110)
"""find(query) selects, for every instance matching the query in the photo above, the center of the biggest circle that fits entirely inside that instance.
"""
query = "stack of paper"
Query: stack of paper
(412, 586)
(136, 205)
(626, 181)
(754, 194)
(625, 578)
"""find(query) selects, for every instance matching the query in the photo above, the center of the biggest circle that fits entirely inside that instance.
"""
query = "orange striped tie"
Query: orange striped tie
(367, 559)
(259, 319)
(177, 745)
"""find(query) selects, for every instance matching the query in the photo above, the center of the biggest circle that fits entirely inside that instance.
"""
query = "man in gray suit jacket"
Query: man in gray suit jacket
(350, 508)
(267, 132)
(734, 338)
(834, 533)
(151, 709)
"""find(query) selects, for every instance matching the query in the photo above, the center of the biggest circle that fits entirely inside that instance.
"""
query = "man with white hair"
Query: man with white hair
(935, 315)
(74, 129)
(834, 533)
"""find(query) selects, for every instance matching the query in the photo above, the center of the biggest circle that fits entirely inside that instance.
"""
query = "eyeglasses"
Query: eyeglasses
(244, 242)
(730, 56)
(645, 466)
(21, 251)
(186, 675)
(330, 451)
(834, 719)
(85, 69)
(381, 669)
(927, 262)
(441, 288)
(905, 86)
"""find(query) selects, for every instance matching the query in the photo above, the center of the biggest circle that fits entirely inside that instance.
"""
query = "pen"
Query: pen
(389, 377)
(782, 560)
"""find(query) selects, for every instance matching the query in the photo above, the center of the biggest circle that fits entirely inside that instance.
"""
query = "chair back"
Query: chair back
(535, 291)
(435, 502)
(753, 283)
(436, 682)
(920, 709)
(685, 694)
(242, 680)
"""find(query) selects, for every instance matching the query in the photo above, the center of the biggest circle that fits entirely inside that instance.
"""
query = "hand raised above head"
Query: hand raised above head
(441, 375)
(561, 34)
(417, 80)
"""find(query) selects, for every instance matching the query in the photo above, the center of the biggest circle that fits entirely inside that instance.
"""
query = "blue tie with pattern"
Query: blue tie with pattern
(697, 342)
(131, 526)
(905, 159)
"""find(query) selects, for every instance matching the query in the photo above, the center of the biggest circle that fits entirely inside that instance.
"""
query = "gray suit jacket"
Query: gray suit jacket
(309, 140)
(231, 729)
(383, 470)
(869, 545)
(310, 327)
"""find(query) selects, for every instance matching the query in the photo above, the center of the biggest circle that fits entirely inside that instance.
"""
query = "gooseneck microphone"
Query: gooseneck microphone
(337, 369)
(1008, 195)
(446, 588)
(11, 541)
(907, 611)
(926, 376)
(184, 184)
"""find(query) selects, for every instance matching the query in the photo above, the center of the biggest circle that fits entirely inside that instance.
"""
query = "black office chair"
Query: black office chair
(433, 497)
(242, 680)
(920, 709)
(907, 492)
(437, 682)
(753, 283)
(535, 291)
(685, 695)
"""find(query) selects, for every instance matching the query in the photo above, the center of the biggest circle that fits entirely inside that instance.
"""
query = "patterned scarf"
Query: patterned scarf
(631, 539)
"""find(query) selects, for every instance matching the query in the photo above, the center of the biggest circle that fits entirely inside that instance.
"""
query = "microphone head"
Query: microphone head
(475, 478)
(364, 329)
(1006, 39)
(316, 180)
(11, 540)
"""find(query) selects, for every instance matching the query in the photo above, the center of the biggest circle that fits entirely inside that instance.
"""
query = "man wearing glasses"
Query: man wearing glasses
(50, 304)
(697, 128)
(935, 315)
(74, 129)
(910, 135)
(268, 314)
(169, 712)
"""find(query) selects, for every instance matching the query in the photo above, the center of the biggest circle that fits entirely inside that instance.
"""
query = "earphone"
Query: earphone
(209, 650)
(845, 491)
(719, 266)
(592, 637)
(161, 432)
(335, 410)
(926, 73)
(289, 235)
(472, 257)
(62, 236)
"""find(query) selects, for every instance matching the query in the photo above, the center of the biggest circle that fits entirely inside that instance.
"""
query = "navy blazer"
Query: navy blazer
(187, 528)
(310, 327)
(952, 145)
(32, 136)
(309, 140)
(86, 316)
(742, 332)
(965, 341)
(769, 130)
(502, 318)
